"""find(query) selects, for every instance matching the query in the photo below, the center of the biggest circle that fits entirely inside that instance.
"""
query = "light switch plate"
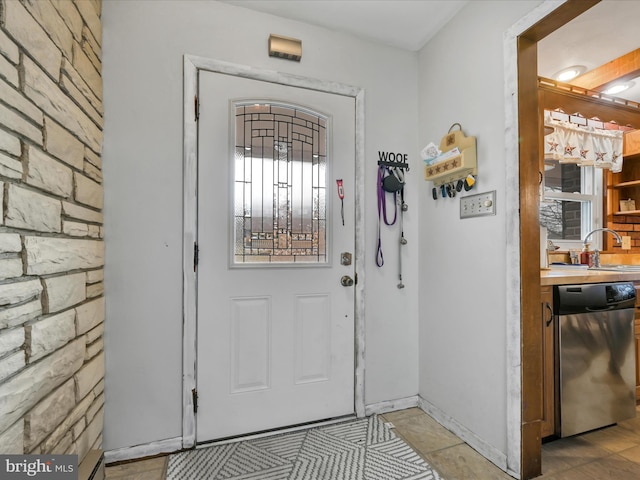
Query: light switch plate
(478, 205)
(626, 242)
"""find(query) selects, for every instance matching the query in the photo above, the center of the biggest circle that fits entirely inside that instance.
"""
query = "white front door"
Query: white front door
(275, 325)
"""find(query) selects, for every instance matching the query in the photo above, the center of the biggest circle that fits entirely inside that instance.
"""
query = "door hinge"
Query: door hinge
(194, 393)
(196, 107)
(196, 254)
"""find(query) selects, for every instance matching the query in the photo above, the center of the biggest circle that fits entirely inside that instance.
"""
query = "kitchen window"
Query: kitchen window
(571, 203)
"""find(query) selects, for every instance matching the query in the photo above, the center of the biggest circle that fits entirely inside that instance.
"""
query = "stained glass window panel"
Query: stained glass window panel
(279, 185)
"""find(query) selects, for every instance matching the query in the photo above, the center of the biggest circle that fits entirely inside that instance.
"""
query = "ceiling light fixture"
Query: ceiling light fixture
(569, 73)
(618, 87)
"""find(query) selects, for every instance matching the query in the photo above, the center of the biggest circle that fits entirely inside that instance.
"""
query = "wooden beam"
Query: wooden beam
(621, 69)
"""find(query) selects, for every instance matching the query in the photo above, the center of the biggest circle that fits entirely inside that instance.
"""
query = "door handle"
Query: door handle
(346, 281)
(548, 307)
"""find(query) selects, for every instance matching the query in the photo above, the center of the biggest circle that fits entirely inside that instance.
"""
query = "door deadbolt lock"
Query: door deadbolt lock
(346, 281)
(345, 258)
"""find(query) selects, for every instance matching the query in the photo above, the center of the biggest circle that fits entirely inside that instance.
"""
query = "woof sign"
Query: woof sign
(393, 160)
(392, 157)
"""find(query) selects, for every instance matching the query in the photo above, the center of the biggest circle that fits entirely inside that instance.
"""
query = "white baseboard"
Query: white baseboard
(169, 445)
(391, 405)
(488, 451)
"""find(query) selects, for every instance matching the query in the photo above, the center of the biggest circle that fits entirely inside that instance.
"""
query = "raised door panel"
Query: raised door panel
(250, 344)
(312, 338)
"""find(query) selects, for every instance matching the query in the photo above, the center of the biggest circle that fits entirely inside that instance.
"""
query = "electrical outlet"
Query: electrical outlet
(626, 242)
(478, 205)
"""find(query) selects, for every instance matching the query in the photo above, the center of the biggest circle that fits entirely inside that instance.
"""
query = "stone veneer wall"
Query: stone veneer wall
(51, 247)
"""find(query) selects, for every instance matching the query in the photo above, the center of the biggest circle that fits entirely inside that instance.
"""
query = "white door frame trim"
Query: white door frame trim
(512, 206)
(192, 66)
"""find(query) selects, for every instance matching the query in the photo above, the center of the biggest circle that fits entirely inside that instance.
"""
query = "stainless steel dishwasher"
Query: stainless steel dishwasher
(595, 355)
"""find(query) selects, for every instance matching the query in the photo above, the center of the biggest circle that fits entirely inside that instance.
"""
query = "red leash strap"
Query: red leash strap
(341, 197)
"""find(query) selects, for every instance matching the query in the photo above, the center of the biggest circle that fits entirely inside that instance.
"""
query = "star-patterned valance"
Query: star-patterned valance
(585, 145)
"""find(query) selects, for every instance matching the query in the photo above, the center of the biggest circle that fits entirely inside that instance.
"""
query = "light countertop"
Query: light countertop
(569, 275)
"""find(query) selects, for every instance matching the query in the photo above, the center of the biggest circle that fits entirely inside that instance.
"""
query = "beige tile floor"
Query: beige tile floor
(612, 453)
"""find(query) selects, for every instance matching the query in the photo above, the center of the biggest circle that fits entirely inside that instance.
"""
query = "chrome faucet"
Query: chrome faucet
(615, 234)
(596, 253)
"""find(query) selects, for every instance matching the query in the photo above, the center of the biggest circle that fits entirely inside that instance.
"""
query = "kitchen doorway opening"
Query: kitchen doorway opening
(527, 147)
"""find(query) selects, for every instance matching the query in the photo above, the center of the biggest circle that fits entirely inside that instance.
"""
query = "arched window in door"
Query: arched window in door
(280, 204)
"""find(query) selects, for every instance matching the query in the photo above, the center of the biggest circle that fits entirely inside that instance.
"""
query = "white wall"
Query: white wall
(143, 45)
(463, 319)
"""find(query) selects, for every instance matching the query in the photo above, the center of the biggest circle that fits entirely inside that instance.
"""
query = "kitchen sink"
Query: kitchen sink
(618, 268)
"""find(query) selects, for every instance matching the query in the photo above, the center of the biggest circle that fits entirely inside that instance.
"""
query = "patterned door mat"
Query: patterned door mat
(364, 449)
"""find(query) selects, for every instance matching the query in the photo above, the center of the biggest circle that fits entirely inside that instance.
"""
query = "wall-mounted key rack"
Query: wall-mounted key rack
(450, 168)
